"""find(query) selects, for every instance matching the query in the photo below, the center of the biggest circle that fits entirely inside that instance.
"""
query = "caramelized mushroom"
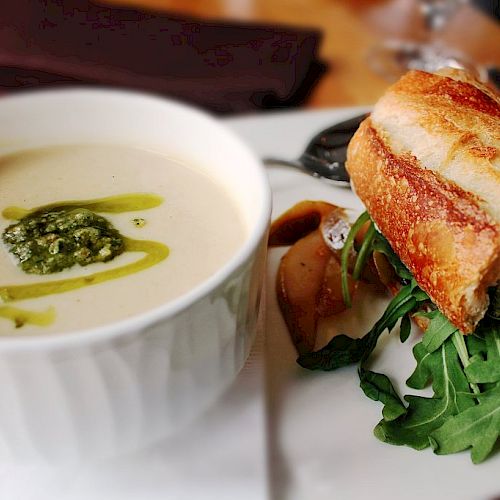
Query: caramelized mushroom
(299, 221)
(299, 283)
(308, 282)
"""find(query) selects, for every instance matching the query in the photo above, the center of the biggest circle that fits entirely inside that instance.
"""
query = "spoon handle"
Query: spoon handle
(331, 179)
(270, 161)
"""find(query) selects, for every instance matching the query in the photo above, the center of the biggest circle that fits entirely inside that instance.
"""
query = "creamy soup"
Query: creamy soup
(194, 217)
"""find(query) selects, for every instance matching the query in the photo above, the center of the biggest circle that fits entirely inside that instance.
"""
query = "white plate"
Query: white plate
(320, 433)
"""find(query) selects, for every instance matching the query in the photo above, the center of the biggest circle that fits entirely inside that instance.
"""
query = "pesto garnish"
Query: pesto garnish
(154, 252)
(48, 242)
(93, 239)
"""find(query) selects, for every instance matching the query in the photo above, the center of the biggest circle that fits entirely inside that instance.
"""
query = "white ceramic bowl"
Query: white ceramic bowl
(107, 390)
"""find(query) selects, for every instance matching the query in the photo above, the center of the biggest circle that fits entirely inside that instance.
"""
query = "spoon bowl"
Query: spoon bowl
(325, 155)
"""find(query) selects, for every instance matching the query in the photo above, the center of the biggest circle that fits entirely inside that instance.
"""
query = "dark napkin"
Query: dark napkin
(220, 66)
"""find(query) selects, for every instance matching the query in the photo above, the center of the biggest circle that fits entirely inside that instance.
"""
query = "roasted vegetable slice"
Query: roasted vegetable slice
(330, 300)
(308, 283)
(299, 283)
(300, 220)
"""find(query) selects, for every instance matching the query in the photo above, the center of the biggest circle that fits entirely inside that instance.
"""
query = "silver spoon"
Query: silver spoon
(325, 155)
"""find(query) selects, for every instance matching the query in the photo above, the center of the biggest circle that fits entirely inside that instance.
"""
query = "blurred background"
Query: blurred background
(244, 56)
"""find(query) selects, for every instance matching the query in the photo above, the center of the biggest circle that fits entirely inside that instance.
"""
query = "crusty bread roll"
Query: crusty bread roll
(426, 164)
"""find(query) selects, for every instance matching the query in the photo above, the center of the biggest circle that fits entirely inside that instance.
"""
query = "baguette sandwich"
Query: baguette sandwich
(426, 164)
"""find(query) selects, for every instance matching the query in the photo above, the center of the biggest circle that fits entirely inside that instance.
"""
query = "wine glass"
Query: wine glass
(392, 58)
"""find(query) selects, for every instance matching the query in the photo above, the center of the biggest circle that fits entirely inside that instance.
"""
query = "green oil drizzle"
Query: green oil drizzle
(111, 204)
(155, 253)
(20, 316)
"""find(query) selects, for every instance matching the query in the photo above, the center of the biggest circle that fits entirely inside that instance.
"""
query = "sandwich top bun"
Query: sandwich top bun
(426, 164)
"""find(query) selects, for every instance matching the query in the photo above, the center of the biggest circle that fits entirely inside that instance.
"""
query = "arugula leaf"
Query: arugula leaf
(461, 414)
(405, 328)
(400, 305)
(483, 372)
(477, 427)
(422, 374)
(476, 344)
(454, 418)
(378, 387)
(487, 371)
(343, 350)
(364, 252)
(424, 415)
(418, 293)
(380, 244)
(438, 330)
(344, 256)
(340, 351)
(461, 347)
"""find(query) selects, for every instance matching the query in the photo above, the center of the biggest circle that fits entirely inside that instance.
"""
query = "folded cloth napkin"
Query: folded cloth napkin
(221, 66)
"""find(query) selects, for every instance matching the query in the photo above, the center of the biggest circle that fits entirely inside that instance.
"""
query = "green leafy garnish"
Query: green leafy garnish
(378, 387)
(438, 330)
(343, 350)
(424, 415)
(364, 251)
(487, 369)
(477, 427)
(340, 351)
(405, 328)
(344, 257)
(464, 410)
(380, 244)
(48, 242)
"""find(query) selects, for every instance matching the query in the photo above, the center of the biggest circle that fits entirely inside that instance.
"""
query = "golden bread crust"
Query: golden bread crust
(451, 125)
(460, 91)
(441, 231)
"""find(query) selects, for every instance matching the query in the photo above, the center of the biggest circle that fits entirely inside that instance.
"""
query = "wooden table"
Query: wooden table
(350, 28)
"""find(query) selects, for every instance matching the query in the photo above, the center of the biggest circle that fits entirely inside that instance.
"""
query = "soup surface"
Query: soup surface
(197, 220)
